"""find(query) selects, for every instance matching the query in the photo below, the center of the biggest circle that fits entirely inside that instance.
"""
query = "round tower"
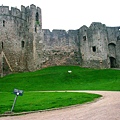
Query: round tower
(35, 21)
(13, 40)
(35, 29)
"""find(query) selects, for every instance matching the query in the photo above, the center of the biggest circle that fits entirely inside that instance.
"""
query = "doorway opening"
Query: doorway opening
(112, 62)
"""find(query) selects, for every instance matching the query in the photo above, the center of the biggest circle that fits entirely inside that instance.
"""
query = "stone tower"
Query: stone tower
(34, 21)
(99, 46)
(21, 36)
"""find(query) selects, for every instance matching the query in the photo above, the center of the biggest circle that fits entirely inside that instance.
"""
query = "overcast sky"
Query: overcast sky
(72, 14)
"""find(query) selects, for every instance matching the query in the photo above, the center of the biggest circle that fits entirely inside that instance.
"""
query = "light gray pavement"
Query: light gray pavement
(106, 108)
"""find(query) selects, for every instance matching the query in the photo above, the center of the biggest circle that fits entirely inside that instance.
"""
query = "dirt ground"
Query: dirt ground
(106, 108)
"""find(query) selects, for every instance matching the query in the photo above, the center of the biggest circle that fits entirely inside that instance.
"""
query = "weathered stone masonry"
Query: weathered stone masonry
(100, 46)
(97, 46)
(60, 47)
(24, 46)
(21, 39)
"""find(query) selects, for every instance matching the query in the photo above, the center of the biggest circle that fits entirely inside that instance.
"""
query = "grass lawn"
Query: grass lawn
(32, 101)
(55, 78)
(58, 78)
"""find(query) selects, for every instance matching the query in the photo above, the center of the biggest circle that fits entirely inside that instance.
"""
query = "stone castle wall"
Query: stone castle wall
(93, 45)
(13, 32)
(25, 46)
(97, 46)
(60, 47)
(59, 38)
(20, 32)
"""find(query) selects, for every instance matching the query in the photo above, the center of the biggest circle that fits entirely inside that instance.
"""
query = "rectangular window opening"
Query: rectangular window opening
(2, 45)
(23, 44)
(94, 48)
(36, 29)
(3, 23)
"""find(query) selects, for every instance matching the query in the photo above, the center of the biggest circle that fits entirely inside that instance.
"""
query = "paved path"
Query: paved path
(107, 108)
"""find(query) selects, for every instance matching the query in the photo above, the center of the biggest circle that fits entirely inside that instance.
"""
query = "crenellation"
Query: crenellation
(39, 9)
(27, 10)
(15, 12)
(46, 31)
(56, 31)
(60, 37)
(32, 6)
(23, 12)
(4, 10)
(23, 9)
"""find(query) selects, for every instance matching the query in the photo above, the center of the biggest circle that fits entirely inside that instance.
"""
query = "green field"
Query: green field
(58, 78)
(55, 78)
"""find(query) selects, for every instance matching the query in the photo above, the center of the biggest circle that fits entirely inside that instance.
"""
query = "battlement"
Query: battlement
(59, 38)
(59, 31)
(15, 12)
(4, 10)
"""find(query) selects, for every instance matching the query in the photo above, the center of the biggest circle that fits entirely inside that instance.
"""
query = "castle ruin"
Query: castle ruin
(25, 46)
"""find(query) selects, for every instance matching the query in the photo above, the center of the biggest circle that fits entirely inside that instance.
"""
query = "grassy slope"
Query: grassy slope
(55, 78)
(58, 78)
(32, 101)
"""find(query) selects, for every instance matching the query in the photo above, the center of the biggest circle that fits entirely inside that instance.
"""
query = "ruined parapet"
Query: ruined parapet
(94, 46)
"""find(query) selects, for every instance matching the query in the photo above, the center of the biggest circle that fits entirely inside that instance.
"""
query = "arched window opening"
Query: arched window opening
(84, 38)
(37, 16)
(23, 44)
(112, 44)
(3, 23)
